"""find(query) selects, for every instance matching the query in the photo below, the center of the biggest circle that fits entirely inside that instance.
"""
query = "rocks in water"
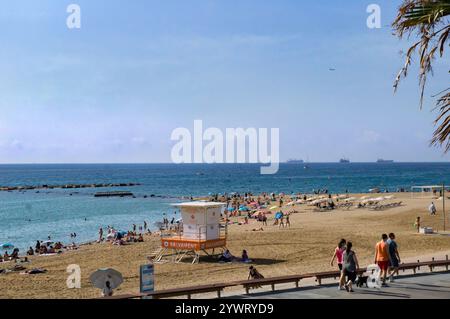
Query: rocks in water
(68, 186)
(114, 194)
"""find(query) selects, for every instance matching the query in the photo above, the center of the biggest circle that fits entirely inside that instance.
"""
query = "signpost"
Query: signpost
(147, 278)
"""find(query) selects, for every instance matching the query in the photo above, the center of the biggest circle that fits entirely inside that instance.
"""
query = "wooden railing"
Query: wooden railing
(249, 284)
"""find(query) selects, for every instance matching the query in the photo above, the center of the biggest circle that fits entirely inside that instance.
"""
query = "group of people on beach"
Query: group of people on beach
(14, 256)
(116, 237)
(387, 258)
(227, 257)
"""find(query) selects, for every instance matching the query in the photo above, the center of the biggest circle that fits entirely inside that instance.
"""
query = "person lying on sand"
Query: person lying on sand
(72, 246)
(34, 271)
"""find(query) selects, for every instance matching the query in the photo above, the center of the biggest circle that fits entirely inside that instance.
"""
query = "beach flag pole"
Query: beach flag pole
(443, 202)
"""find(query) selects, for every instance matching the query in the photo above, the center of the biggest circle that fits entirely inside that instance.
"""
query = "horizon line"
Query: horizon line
(258, 163)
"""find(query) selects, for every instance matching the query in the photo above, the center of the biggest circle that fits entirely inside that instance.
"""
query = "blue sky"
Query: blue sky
(114, 90)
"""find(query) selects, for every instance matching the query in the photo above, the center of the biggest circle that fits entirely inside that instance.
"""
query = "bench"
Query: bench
(256, 283)
(176, 292)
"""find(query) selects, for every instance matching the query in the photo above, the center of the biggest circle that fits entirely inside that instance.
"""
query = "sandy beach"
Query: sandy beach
(306, 246)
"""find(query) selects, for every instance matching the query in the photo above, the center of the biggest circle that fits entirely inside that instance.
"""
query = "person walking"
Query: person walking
(349, 268)
(394, 256)
(100, 234)
(338, 254)
(382, 258)
(432, 209)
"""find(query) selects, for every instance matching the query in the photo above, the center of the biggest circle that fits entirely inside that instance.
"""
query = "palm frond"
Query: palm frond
(429, 20)
(441, 135)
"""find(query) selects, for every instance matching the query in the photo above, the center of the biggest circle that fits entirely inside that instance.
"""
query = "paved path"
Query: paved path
(429, 286)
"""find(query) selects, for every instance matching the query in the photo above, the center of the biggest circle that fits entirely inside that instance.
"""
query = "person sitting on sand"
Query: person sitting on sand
(58, 246)
(140, 239)
(6, 256)
(15, 254)
(254, 274)
(226, 257)
(245, 258)
(1, 258)
(30, 251)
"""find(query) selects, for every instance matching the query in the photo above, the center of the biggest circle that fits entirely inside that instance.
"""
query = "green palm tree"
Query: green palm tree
(428, 20)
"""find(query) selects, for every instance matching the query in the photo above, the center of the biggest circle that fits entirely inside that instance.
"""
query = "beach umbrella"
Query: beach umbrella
(278, 215)
(273, 207)
(99, 278)
(6, 246)
(244, 209)
(230, 209)
(47, 242)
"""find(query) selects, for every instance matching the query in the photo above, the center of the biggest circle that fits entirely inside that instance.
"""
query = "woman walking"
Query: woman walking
(350, 266)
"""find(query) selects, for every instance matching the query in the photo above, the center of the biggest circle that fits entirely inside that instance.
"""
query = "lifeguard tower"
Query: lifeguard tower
(201, 230)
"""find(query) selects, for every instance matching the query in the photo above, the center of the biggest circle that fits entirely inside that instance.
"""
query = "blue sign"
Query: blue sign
(147, 278)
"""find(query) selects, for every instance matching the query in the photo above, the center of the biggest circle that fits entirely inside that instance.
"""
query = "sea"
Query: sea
(27, 216)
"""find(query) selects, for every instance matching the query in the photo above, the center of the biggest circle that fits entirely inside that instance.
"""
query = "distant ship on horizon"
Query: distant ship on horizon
(294, 161)
(380, 160)
(344, 160)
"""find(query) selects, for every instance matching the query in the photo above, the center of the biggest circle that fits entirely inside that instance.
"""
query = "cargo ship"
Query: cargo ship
(380, 160)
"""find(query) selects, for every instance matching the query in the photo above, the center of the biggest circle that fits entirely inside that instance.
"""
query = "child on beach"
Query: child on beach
(417, 224)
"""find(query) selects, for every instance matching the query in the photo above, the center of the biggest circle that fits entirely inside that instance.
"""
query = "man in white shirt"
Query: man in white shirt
(432, 209)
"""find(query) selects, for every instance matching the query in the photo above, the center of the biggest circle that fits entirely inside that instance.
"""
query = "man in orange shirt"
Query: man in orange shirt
(382, 257)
